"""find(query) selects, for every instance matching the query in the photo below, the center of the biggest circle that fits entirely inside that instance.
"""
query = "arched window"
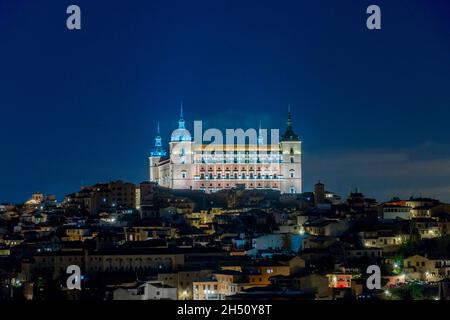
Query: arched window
(292, 173)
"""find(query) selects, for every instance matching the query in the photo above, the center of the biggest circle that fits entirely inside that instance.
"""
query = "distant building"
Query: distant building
(383, 238)
(359, 203)
(103, 197)
(146, 199)
(319, 193)
(421, 202)
(252, 166)
(37, 197)
(150, 290)
(431, 269)
(327, 227)
(182, 280)
(427, 228)
(340, 280)
(150, 260)
(370, 253)
(206, 289)
(234, 279)
(392, 211)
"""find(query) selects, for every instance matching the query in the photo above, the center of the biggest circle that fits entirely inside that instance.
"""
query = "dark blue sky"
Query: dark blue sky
(372, 107)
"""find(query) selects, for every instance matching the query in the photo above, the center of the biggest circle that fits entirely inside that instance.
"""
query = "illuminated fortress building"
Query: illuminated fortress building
(189, 165)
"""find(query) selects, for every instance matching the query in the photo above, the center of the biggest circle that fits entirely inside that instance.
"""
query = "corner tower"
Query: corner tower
(291, 150)
(181, 158)
(155, 157)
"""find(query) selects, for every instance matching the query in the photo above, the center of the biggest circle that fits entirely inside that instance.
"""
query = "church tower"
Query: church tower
(292, 159)
(155, 157)
(181, 156)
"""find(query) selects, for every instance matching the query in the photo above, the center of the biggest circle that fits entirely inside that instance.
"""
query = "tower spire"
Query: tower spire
(289, 135)
(181, 124)
(289, 120)
(181, 109)
(158, 150)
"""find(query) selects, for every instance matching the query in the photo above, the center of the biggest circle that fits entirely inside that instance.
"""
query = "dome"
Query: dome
(181, 134)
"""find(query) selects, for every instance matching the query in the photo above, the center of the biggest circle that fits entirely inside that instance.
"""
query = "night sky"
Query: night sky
(79, 107)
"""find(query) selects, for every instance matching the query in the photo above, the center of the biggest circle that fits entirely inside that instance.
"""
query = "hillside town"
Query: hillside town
(148, 242)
